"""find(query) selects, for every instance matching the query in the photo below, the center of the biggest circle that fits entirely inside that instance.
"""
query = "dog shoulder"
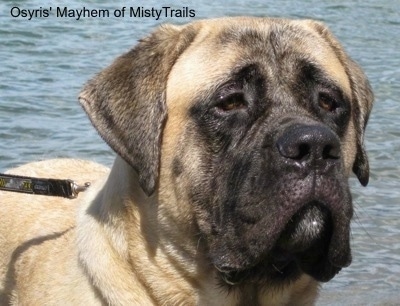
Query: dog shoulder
(38, 230)
(62, 168)
(28, 215)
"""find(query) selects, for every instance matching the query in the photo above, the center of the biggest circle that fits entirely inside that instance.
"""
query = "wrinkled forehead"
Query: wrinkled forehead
(277, 46)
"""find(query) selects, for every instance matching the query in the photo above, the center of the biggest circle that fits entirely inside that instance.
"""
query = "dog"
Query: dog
(235, 138)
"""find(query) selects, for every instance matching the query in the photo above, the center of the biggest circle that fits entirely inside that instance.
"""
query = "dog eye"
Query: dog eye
(327, 103)
(231, 102)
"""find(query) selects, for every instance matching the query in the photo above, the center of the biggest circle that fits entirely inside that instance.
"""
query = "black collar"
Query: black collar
(50, 187)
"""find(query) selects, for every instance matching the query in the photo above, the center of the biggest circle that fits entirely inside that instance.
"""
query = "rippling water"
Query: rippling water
(45, 61)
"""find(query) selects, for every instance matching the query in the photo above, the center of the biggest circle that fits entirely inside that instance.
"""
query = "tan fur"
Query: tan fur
(53, 249)
(114, 245)
(36, 234)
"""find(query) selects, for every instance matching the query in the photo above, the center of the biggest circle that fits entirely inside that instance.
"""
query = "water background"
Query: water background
(45, 61)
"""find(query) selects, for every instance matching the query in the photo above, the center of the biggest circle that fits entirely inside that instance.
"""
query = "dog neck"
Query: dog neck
(146, 255)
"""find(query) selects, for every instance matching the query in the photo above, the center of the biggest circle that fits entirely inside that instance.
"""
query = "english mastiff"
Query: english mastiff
(236, 138)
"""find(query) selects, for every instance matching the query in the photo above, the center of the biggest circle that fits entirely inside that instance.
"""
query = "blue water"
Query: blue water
(45, 61)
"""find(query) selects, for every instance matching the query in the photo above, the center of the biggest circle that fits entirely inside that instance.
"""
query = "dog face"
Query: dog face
(250, 127)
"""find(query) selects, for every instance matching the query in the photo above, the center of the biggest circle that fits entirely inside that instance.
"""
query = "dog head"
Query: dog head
(255, 124)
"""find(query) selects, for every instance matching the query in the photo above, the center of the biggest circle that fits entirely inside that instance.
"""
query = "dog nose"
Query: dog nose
(309, 145)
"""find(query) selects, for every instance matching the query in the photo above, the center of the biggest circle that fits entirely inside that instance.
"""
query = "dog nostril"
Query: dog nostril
(295, 152)
(304, 150)
(331, 152)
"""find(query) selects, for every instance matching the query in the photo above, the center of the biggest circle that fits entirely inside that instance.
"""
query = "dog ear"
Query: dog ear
(362, 97)
(126, 101)
(362, 94)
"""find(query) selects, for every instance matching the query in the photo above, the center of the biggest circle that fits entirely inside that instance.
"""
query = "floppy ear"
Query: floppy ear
(126, 101)
(362, 94)
(362, 98)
